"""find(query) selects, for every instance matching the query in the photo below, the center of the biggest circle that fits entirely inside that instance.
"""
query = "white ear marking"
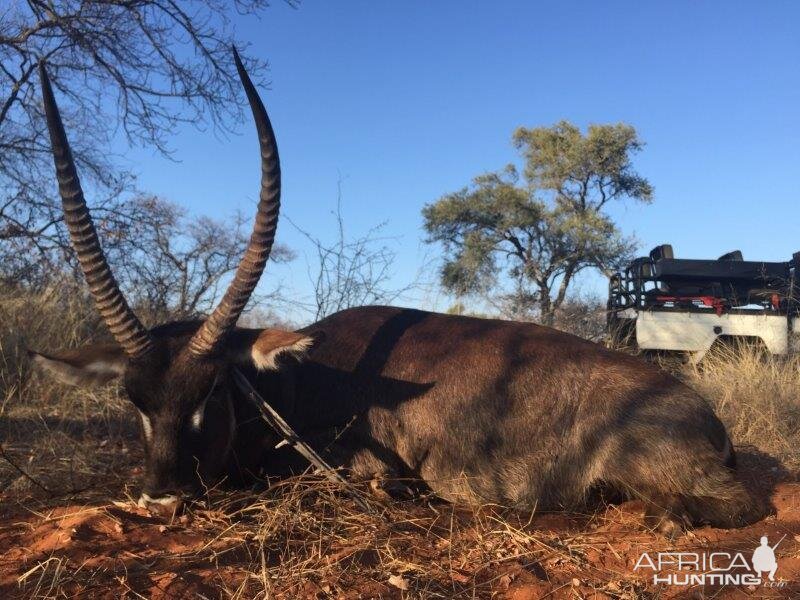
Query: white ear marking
(100, 367)
(267, 360)
(90, 365)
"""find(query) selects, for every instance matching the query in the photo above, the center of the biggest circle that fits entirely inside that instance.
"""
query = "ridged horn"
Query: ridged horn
(120, 319)
(224, 317)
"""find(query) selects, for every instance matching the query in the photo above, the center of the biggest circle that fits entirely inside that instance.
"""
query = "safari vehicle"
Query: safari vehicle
(665, 304)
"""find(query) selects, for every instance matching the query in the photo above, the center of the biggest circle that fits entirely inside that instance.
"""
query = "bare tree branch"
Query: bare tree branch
(351, 272)
(172, 266)
(142, 67)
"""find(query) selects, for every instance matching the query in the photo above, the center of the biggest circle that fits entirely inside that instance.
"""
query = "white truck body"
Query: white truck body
(695, 332)
(664, 303)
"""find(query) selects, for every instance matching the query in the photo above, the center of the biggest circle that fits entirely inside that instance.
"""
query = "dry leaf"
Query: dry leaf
(505, 581)
(401, 583)
(459, 576)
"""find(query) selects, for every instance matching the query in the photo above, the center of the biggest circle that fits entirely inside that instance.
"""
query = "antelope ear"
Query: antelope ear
(262, 347)
(95, 364)
(272, 343)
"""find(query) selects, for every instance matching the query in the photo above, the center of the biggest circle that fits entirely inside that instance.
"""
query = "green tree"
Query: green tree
(540, 229)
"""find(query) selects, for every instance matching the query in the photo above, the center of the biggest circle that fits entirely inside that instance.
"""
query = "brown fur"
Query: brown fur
(479, 410)
(513, 413)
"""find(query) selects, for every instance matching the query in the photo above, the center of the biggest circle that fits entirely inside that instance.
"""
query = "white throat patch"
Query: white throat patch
(197, 416)
(196, 420)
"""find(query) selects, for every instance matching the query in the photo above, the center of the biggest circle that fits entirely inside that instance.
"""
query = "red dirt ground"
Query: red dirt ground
(118, 550)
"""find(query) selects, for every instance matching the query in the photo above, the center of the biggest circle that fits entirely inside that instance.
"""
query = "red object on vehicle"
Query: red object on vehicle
(716, 303)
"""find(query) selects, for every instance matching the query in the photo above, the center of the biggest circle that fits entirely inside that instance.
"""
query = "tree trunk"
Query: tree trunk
(546, 307)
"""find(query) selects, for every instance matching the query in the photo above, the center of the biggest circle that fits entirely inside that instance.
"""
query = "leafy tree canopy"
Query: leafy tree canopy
(541, 228)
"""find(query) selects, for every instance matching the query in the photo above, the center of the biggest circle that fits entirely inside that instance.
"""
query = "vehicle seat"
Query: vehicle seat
(662, 251)
(734, 255)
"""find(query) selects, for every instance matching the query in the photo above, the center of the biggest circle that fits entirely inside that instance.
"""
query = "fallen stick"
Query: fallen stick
(24, 473)
(282, 428)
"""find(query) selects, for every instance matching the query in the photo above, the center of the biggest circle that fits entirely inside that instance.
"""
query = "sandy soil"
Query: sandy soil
(99, 549)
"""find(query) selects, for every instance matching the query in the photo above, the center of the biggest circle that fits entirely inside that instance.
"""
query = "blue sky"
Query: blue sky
(409, 100)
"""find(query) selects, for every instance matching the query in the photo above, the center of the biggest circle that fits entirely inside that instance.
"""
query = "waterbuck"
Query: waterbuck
(479, 410)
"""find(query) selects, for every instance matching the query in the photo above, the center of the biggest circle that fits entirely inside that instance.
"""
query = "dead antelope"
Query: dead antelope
(481, 411)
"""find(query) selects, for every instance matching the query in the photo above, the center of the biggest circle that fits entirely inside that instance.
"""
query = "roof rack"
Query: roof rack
(659, 280)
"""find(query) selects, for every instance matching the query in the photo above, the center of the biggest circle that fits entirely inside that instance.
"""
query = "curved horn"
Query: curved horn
(120, 319)
(255, 258)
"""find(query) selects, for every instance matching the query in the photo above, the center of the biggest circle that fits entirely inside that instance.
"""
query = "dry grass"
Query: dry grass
(758, 398)
(66, 438)
(303, 537)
